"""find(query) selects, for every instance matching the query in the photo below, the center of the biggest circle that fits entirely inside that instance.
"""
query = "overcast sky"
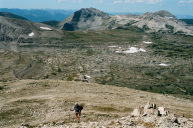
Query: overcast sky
(184, 7)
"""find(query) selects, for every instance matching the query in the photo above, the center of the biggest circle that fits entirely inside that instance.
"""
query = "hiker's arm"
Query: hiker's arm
(72, 109)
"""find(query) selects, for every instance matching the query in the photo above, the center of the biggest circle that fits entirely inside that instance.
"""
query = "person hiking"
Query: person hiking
(77, 108)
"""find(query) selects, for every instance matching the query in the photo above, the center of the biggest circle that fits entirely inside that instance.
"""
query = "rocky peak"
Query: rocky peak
(148, 16)
(164, 13)
(86, 13)
(86, 19)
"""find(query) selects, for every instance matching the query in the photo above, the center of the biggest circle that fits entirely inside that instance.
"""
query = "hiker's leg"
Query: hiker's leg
(78, 117)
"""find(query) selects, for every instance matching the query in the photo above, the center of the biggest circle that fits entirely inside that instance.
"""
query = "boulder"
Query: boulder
(136, 112)
(162, 111)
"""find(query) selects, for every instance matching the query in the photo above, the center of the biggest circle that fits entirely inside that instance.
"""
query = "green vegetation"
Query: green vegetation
(101, 37)
(52, 23)
(172, 45)
(171, 28)
(90, 52)
(87, 52)
(1, 88)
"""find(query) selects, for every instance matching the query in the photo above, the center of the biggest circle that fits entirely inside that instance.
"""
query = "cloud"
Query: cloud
(137, 1)
(134, 1)
(117, 2)
(154, 1)
(185, 1)
(99, 1)
(59, 1)
(74, 1)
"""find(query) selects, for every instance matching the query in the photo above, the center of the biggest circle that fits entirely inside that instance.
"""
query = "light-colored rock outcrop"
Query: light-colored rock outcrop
(148, 116)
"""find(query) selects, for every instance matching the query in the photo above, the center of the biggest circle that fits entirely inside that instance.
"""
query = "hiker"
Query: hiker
(77, 108)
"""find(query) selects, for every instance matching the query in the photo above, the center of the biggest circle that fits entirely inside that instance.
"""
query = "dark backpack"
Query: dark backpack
(80, 107)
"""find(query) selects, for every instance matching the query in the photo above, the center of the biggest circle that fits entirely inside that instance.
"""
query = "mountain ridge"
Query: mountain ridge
(94, 19)
(10, 15)
(40, 15)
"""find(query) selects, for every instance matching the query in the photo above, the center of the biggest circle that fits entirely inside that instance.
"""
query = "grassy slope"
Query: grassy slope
(45, 101)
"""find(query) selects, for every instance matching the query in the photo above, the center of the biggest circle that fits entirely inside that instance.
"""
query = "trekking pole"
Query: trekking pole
(69, 118)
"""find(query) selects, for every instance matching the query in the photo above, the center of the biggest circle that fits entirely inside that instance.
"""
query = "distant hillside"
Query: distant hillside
(188, 21)
(10, 15)
(184, 16)
(40, 15)
(53, 23)
(23, 31)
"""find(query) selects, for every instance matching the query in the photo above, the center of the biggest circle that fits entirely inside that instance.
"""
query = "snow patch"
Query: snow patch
(162, 64)
(46, 28)
(113, 46)
(142, 50)
(169, 17)
(31, 34)
(147, 42)
(117, 51)
(134, 50)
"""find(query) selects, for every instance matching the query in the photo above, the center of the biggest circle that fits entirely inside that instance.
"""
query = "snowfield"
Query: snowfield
(46, 28)
(31, 34)
(134, 50)
(162, 64)
(147, 42)
(112, 46)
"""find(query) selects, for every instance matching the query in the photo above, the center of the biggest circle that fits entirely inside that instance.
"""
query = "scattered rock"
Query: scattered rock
(135, 112)
(154, 117)
(25, 125)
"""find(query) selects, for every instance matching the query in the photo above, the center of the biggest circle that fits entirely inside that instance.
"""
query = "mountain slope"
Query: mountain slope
(13, 29)
(10, 15)
(86, 19)
(42, 102)
(152, 22)
(52, 23)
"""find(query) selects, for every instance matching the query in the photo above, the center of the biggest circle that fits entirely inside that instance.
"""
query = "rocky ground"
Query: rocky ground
(47, 102)
(148, 116)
